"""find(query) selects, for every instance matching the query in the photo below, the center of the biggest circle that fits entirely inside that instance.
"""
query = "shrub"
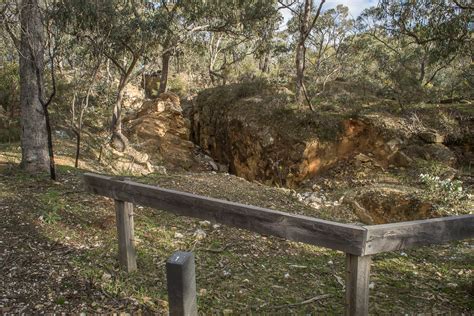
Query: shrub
(179, 84)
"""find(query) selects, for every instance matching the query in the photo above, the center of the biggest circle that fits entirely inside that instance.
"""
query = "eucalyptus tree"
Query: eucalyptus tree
(267, 41)
(121, 31)
(305, 15)
(226, 50)
(421, 38)
(84, 70)
(31, 30)
(226, 27)
(329, 43)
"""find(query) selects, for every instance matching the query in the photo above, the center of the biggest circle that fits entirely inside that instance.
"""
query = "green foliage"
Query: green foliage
(411, 46)
(179, 84)
(9, 102)
(52, 204)
(9, 86)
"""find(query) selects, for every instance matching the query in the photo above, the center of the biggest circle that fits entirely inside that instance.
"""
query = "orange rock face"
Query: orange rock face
(159, 129)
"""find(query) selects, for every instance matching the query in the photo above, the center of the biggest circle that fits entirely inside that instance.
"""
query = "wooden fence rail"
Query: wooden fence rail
(358, 242)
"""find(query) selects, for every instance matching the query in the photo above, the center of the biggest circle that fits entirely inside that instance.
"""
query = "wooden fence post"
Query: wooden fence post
(357, 284)
(181, 279)
(125, 232)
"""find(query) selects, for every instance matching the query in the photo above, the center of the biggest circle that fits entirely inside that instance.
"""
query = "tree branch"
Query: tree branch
(287, 6)
(318, 13)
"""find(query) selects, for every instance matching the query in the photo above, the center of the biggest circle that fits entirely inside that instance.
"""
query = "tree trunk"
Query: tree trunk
(304, 29)
(52, 167)
(300, 56)
(119, 141)
(178, 64)
(305, 26)
(165, 60)
(421, 77)
(34, 138)
(264, 63)
(116, 125)
(78, 147)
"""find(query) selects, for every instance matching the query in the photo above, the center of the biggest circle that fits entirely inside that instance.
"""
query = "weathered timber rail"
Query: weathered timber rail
(358, 242)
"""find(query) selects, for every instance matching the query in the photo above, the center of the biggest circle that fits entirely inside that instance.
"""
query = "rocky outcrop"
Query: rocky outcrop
(381, 204)
(236, 132)
(159, 129)
(254, 130)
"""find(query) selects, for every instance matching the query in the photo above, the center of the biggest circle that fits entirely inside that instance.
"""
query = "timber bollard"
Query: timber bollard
(125, 232)
(181, 279)
(357, 285)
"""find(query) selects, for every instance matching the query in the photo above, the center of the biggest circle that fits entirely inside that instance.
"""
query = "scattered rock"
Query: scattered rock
(106, 277)
(160, 170)
(213, 165)
(199, 234)
(431, 137)
(401, 159)
(394, 145)
(431, 152)
(205, 223)
(361, 158)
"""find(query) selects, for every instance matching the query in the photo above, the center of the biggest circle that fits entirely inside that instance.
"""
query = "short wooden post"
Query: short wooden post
(357, 284)
(181, 279)
(125, 232)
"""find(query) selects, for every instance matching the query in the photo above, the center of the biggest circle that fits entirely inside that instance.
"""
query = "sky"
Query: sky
(355, 7)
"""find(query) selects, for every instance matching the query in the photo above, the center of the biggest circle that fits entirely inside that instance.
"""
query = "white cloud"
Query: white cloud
(355, 6)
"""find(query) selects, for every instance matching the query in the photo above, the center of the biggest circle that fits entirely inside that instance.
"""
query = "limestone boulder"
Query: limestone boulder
(431, 152)
(431, 137)
(381, 204)
(160, 129)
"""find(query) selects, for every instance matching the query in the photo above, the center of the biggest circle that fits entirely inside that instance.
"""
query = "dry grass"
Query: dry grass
(58, 254)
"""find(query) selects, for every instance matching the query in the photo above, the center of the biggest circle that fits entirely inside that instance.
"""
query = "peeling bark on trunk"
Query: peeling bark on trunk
(165, 71)
(34, 138)
(300, 56)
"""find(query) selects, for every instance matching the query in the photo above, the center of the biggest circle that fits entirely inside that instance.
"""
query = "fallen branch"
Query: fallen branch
(308, 301)
(219, 250)
(73, 192)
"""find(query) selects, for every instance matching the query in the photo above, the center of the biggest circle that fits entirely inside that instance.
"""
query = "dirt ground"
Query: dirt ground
(58, 254)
